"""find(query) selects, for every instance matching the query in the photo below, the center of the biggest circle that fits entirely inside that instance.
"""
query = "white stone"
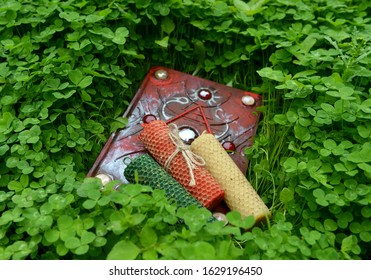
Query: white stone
(187, 135)
(220, 217)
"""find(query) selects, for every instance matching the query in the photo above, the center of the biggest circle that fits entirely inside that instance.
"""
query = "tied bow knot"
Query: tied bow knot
(192, 160)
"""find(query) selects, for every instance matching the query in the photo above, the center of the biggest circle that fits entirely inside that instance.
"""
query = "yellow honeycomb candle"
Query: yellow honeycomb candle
(239, 194)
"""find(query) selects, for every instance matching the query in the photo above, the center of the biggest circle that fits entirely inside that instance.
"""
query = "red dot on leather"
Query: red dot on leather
(205, 94)
(229, 146)
(149, 118)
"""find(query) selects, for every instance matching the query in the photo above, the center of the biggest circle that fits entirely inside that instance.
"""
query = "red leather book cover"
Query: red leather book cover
(194, 105)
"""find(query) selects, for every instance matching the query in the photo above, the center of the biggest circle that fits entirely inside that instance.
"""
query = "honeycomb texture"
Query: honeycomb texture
(239, 194)
(155, 137)
(152, 174)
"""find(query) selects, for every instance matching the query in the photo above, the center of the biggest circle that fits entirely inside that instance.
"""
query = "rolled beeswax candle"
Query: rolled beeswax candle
(192, 176)
(239, 194)
(152, 174)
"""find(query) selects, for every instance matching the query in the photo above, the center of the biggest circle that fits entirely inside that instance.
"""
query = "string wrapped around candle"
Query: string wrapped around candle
(239, 194)
(152, 174)
(177, 158)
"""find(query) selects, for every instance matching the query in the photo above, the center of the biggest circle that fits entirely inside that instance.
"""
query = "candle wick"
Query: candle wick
(192, 160)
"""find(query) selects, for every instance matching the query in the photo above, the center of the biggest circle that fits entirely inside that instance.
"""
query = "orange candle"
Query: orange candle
(164, 144)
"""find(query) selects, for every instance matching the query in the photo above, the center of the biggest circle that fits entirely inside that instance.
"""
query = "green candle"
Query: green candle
(152, 174)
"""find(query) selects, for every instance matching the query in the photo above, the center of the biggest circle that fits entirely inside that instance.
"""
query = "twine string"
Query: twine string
(192, 160)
